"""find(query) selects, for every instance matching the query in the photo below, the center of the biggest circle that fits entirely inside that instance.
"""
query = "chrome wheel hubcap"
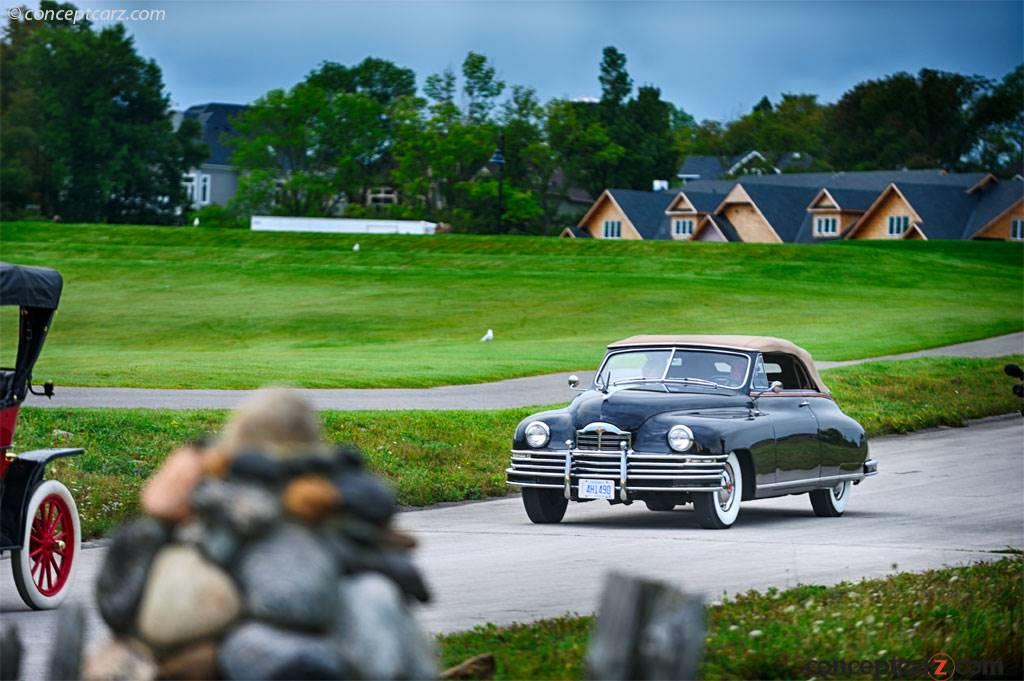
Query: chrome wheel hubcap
(728, 491)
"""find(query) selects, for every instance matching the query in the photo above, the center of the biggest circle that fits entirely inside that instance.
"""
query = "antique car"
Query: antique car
(712, 420)
(39, 522)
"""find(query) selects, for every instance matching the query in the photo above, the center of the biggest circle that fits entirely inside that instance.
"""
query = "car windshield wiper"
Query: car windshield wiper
(664, 381)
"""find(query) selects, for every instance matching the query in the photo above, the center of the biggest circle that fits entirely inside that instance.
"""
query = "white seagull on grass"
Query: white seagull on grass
(489, 336)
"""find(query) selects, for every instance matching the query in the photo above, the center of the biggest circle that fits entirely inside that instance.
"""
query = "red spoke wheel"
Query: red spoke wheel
(44, 565)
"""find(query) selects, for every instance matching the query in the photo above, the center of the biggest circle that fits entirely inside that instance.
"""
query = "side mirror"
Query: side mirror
(776, 387)
(574, 381)
(1014, 371)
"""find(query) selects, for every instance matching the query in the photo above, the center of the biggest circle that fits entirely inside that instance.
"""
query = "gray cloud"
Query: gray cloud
(713, 58)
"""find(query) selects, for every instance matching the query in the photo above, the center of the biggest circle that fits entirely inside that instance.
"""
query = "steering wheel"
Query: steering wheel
(722, 379)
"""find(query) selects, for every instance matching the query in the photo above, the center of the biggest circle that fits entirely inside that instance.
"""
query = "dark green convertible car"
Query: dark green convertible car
(712, 420)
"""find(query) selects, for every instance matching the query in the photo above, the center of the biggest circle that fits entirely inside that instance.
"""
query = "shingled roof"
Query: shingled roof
(784, 207)
(944, 211)
(215, 120)
(853, 199)
(992, 202)
(868, 180)
(706, 201)
(646, 210)
(702, 167)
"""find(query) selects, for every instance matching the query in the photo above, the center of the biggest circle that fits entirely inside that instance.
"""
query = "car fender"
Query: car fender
(24, 473)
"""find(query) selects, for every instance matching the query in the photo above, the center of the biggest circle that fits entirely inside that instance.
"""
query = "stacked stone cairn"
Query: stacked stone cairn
(263, 555)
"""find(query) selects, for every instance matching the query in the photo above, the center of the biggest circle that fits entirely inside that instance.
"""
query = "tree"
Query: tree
(615, 81)
(998, 121)
(441, 87)
(651, 154)
(904, 121)
(86, 127)
(480, 87)
(317, 144)
(381, 80)
(588, 155)
(796, 123)
(530, 162)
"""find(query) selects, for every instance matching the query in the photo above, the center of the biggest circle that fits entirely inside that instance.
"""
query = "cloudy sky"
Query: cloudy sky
(715, 59)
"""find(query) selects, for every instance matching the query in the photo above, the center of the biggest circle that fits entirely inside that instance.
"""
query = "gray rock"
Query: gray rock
(124, 571)
(257, 467)
(378, 635)
(187, 598)
(220, 544)
(366, 495)
(119, 660)
(341, 547)
(289, 578)
(260, 651)
(66, 654)
(10, 653)
(312, 464)
(398, 567)
(356, 529)
(248, 509)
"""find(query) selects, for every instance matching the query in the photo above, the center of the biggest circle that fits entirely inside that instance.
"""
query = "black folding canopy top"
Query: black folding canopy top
(29, 286)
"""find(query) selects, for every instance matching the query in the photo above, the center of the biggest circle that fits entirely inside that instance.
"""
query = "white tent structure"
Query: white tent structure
(271, 223)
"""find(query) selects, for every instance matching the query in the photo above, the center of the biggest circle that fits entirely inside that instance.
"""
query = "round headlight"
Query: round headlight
(537, 434)
(680, 438)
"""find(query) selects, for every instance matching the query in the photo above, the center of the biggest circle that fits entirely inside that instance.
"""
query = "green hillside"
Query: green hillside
(195, 307)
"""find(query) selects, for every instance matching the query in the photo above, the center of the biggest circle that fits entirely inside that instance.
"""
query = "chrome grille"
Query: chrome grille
(594, 441)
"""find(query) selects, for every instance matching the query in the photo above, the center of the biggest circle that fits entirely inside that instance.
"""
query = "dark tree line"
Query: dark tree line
(86, 134)
(933, 119)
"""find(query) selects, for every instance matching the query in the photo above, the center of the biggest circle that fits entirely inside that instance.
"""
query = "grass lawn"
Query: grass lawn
(970, 613)
(208, 308)
(454, 455)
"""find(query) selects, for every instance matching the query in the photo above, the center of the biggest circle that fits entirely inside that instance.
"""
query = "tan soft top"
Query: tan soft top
(748, 343)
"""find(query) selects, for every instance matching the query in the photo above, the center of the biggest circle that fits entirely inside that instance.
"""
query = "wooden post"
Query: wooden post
(646, 630)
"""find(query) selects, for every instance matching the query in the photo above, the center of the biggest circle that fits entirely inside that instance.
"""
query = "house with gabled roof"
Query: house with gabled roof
(626, 214)
(999, 213)
(753, 162)
(986, 209)
(832, 212)
(215, 181)
(690, 209)
(816, 207)
(761, 213)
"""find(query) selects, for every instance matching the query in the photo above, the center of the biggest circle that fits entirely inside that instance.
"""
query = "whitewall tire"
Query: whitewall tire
(831, 502)
(719, 510)
(44, 567)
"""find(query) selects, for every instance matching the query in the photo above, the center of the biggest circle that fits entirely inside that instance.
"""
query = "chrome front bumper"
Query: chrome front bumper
(630, 470)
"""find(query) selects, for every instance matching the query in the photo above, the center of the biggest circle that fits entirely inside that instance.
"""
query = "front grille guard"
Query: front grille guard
(630, 470)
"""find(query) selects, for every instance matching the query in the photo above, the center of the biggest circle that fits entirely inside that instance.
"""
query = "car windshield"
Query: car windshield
(673, 369)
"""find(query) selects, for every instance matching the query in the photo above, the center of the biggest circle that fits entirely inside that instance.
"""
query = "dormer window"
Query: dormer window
(898, 224)
(613, 229)
(683, 228)
(826, 226)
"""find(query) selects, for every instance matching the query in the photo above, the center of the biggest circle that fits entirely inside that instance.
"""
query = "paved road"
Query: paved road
(516, 392)
(943, 497)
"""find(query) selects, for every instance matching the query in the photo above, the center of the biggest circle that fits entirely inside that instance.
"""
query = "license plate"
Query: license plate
(597, 489)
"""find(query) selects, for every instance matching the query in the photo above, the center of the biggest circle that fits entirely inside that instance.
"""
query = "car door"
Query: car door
(797, 447)
(842, 448)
